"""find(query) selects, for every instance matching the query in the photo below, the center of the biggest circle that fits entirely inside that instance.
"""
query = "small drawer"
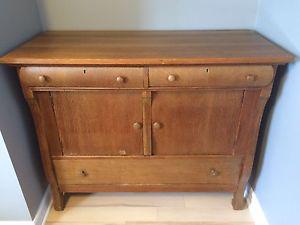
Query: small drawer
(110, 77)
(211, 76)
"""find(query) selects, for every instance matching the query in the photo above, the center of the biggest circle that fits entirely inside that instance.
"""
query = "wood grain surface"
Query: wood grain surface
(211, 76)
(149, 209)
(147, 48)
(99, 122)
(195, 122)
(148, 171)
(103, 77)
(147, 110)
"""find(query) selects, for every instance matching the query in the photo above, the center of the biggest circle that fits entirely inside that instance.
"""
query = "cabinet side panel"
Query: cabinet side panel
(39, 121)
(249, 124)
(252, 111)
(46, 108)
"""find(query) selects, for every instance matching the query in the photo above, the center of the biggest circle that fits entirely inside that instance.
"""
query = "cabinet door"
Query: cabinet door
(195, 122)
(98, 122)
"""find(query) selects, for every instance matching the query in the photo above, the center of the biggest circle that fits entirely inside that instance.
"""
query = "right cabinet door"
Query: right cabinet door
(195, 122)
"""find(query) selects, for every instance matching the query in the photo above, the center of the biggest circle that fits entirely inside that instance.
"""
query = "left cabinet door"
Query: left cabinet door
(97, 122)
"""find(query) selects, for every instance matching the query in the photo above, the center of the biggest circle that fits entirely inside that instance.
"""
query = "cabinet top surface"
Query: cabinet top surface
(147, 48)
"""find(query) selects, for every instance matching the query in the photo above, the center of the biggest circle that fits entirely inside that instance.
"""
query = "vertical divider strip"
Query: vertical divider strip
(147, 143)
(146, 77)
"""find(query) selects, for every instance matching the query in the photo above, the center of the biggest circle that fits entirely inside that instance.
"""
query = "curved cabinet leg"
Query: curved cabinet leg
(239, 202)
(246, 143)
(57, 195)
(58, 199)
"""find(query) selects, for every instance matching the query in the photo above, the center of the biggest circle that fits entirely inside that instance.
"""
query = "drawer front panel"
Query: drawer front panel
(211, 76)
(110, 77)
(151, 171)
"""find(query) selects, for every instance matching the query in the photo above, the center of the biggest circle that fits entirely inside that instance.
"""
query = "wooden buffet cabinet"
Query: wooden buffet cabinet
(147, 110)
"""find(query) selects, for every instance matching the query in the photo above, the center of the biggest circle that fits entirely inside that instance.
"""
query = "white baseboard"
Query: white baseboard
(44, 208)
(256, 209)
(41, 215)
(16, 223)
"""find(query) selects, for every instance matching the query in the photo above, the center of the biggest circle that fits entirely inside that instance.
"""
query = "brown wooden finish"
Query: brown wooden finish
(150, 171)
(87, 188)
(99, 122)
(147, 139)
(112, 77)
(45, 107)
(147, 110)
(252, 111)
(40, 127)
(57, 194)
(195, 122)
(211, 76)
(147, 48)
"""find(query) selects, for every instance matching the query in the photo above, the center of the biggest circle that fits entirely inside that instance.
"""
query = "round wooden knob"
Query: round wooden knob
(83, 173)
(171, 78)
(157, 125)
(42, 78)
(120, 79)
(251, 77)
(137, 125)
(214, 172)
(122, 152)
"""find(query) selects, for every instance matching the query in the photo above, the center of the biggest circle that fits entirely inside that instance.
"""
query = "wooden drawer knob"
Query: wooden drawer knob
(42, 78)
(83, 173)
(171, 78)
(157, 125)
(137, 125)
(251, 77)
(122, 152)
(120, 79)
(214, 172)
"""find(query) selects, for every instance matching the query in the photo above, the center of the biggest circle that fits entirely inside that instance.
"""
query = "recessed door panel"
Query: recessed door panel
(99, 122)
(195, 122)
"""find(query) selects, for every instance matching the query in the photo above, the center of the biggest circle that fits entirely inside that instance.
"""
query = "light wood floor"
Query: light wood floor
(150, 209)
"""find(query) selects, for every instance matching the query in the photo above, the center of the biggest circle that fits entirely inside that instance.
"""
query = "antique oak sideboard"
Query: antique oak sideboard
(147, 110)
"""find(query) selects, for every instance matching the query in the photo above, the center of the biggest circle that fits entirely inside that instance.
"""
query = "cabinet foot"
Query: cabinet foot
(58, 200)
(239, 203)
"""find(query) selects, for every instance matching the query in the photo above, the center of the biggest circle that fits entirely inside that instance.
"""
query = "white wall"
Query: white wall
(278, 180)
(10, 191)
(147, 14)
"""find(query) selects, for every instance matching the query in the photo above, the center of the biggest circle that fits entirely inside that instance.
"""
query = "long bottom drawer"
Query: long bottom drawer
(147, 171)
